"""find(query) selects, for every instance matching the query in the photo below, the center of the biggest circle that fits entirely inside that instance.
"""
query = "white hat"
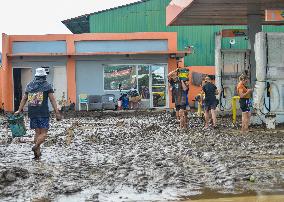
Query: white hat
(40, 72)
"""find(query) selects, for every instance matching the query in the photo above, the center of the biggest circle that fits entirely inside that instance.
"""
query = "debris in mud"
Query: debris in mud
(9, 175)
(69, 136)
(252, 178)
(93, 198)
(114, 156)
(41, 200)
(152, 127)
(70, 188)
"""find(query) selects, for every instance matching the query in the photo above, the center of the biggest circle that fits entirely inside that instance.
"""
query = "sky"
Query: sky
(45, 16)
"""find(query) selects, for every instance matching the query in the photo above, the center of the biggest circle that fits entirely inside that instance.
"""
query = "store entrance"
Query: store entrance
(152, 85)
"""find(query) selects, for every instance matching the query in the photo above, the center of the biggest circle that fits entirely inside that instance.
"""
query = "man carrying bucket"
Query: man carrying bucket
(180, 85)
(37, 93)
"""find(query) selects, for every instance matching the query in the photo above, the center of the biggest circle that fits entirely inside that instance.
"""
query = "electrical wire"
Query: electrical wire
(266, 71)
(222, 94)
(264, 101)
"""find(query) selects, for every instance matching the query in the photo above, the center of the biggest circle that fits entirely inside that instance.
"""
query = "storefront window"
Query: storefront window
(120, 74)
(149, 80)
(143, 81)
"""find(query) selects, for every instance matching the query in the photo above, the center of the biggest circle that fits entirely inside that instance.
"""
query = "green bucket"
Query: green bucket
(17, 125)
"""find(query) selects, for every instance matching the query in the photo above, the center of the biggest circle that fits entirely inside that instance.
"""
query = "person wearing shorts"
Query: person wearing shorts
(173, 81)
(245, 95)
(181, 100)
(210, 101)
(36, 94)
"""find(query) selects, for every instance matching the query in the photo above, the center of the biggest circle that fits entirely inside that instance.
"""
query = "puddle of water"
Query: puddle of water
(276, 198)
(209, 195)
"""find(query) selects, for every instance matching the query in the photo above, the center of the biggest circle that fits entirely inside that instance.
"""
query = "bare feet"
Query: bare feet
(37, 152)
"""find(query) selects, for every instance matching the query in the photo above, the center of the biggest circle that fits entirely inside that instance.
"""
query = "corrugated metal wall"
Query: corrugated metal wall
(150, 16)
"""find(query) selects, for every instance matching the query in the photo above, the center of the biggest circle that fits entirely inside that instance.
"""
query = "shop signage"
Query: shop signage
(234, 32)
(274, 15)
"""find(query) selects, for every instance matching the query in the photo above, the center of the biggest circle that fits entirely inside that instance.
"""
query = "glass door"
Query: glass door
(143, 72)
(158, 80)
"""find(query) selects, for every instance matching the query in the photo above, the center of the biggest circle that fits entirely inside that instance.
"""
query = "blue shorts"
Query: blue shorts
(39, 123)
(245, 104)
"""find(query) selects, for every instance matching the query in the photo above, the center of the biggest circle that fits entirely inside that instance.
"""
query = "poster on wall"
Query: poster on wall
(234, 32)
(114, 75)
(274, 15)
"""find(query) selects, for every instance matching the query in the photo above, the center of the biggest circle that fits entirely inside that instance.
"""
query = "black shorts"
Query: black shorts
(179, 107)
(245, 104)
(208, 105)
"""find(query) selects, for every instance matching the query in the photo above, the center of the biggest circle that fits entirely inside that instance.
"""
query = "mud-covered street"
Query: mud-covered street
(139, 156)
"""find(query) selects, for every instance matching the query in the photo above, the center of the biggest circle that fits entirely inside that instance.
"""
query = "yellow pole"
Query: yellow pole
(234, 108)
(199, 109)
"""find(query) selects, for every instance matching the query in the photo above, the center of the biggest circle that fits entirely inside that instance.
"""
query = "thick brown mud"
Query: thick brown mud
(140, 156)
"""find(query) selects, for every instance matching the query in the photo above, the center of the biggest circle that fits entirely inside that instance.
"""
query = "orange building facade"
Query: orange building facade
(24, 53)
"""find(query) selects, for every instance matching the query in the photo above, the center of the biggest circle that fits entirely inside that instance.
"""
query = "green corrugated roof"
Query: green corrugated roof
(150, 16)
(80, 24)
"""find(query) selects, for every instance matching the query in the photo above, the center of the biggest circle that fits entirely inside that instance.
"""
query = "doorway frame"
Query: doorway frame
(166, 86)
(66, 84)
(17, 67)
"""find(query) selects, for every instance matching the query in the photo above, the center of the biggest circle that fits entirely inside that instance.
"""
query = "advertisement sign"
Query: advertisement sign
(274, 15)
(234, 32)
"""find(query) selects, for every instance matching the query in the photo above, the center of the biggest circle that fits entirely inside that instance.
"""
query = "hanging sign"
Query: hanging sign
(274, 15)
(234, 32)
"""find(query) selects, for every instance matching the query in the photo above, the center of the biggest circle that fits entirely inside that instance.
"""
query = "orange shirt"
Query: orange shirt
(243, 89)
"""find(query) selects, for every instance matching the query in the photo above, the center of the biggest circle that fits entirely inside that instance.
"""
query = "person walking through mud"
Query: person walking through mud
(179, 90)
(36, 94)
(173, 81)
(182, 100)
(210, 101)
(245, 95)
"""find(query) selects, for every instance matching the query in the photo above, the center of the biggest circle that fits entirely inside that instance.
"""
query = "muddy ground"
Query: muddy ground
(139, 156)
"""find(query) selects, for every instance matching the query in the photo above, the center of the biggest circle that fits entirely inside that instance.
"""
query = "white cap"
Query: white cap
(40, 72)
